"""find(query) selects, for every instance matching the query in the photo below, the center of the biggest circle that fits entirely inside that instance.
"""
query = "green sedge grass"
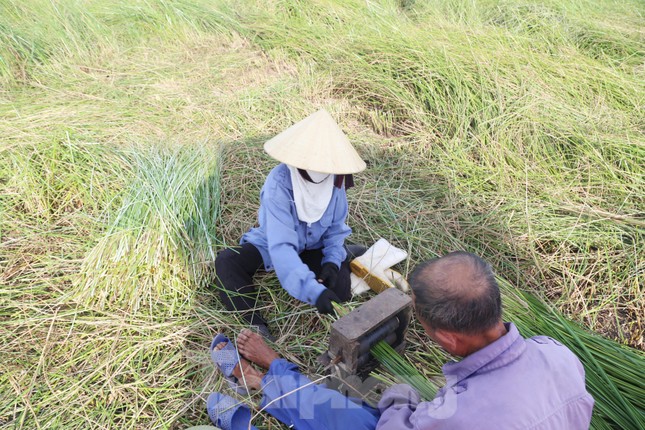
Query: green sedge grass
(509, 129)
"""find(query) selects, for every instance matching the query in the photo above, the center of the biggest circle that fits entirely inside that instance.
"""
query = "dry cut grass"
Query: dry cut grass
(131, 153)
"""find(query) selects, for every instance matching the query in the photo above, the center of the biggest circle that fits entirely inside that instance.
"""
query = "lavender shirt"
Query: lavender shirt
(513, 383)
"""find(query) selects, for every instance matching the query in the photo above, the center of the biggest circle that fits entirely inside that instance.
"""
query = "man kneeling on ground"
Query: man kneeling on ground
(503, 381)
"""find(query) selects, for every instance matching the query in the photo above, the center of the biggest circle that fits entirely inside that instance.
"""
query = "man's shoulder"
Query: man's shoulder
(545, 340)
(551, 349)
(555, 362)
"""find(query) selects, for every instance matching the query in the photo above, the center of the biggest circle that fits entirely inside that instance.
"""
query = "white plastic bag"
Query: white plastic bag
(372, 269)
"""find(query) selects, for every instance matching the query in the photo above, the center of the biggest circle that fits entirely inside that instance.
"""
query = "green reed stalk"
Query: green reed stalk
(402, 369)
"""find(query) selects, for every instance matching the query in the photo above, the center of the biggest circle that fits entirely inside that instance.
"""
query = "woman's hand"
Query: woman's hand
(328, 275)
(323, 303)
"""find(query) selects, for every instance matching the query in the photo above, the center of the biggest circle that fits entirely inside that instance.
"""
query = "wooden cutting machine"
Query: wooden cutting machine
(384, 317)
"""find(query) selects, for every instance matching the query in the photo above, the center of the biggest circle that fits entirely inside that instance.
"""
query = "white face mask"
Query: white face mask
(311, 198)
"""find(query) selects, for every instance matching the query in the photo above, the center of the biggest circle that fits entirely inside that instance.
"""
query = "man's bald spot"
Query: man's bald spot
(456, 275)
(457, 292)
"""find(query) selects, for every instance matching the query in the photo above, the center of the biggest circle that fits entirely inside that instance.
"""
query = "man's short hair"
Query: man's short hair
(457, 292)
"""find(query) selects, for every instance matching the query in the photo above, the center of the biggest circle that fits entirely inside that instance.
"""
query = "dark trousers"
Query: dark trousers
(236, 266)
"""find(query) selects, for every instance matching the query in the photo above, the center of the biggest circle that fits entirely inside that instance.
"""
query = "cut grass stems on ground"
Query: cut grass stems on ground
(511, 129)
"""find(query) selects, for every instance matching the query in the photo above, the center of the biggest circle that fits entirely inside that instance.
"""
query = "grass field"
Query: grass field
(131, 140)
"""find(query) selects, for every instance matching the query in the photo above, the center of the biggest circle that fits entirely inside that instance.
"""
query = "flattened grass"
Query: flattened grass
(507, 128)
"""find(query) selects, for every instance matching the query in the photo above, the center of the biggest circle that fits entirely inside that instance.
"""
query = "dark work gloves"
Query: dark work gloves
(328, 275)
(323, 302)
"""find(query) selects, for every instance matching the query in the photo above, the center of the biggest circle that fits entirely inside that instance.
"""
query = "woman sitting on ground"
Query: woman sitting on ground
(302, 229)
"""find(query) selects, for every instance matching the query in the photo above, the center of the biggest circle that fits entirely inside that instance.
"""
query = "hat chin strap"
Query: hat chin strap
(307, 175)
(347, 179)
(317, 177)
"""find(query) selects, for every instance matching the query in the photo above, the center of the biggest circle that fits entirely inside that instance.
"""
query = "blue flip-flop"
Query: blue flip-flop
(227, 413)
(226, 359)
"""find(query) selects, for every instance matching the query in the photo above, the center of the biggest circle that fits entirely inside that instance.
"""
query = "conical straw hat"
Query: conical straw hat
(316, 143)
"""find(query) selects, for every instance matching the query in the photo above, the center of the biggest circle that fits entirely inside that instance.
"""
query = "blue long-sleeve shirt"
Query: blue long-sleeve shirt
(281, 236)
(300, 403)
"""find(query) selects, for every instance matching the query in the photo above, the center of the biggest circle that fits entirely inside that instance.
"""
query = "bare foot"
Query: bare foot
(244, 372)
(252, 346)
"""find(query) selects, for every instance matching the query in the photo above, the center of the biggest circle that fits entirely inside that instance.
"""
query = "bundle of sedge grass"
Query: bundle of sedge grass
(161, 239)
(613, 371)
